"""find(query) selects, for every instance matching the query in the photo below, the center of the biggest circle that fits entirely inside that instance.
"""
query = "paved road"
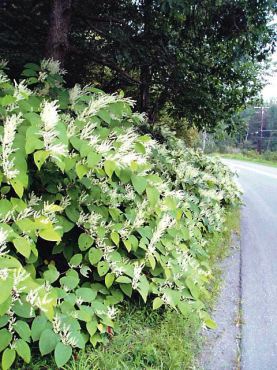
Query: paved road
(258, 265)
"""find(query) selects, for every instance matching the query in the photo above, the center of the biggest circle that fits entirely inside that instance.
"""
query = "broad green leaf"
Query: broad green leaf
(109, 167)
(23, 330)
(139, 183)
(91, 327)
(17, 187)
(23, 246)
(93, 159)
(48, 341)
(23, 350)
(50, 234)
(40, 157)
(8, 358)
(85, 241)
(38, 326)
(157, 303)
(62, 354)
(102, 268)
(153, 195)
(115, 237)
(5, 339)
(76, 260)
(109, 279)
(81, 170)
(123, 280)
(86, 294)
(6, 286)
(94, 255)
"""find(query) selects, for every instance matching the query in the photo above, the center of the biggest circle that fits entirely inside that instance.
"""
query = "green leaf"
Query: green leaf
(76, 260)
(8, 358)
(208, 321)
(85, 241)
(139, 183)
(94, 255)
(7, 100)
(109, 279)
(92, 327)
(143, 287)
(152, 261)
(128, 245)
(17, 187)
(86, 294)
(193, 288)
(123, 280)
(5, 339)
(115, 237)
(23, 330)
(5, 288)
(48, 341)
(93, 159)
(62, 354)
(157, 303)
(153, 195)
(52, 274)
(81, 170)
(127, 289)
(23, 246)
(23, 350)
(38, 326)
(102, 268)
(109, 167)
(50, 234)
(40, 157)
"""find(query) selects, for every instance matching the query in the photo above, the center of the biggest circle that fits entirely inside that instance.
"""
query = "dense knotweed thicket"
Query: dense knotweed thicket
(92, 212)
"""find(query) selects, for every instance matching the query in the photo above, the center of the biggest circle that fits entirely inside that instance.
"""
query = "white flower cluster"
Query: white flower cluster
(101, 101)
(165, 223)
(10, 125)
(137, 274)
(53, 67)
(89, 221)
(3, 241)
(21, 90)
(50, 117)
(64, 332)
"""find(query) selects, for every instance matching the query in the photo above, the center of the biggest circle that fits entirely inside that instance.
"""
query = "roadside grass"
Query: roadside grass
(257, 158)
(146, 339)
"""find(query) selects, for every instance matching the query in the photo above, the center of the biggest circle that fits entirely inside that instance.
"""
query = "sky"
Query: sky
(270, 91)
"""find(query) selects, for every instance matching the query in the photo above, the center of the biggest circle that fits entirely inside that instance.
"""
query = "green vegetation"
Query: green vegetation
(94, 213)
(267, 158)
(155, 339)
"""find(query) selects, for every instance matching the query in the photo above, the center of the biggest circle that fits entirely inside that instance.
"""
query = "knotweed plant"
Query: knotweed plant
(92, 213)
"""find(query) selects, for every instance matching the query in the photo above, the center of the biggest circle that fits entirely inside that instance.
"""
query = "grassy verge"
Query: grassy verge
(255, 159)
(149, 339)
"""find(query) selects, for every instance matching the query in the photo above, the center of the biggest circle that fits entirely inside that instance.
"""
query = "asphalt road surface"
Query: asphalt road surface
(258, 265)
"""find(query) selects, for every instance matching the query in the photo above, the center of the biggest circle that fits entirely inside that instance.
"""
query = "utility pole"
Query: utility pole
(204, 138)
(260, 140)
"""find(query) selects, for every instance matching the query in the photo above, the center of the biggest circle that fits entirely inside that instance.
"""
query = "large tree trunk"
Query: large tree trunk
(57, 44)
(145, 68)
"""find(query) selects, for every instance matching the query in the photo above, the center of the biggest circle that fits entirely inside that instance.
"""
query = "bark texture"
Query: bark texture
(57, 45)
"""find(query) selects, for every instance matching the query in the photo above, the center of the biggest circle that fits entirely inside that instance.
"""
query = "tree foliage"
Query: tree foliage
(200, 57)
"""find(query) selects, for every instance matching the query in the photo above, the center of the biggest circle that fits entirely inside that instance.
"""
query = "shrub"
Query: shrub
(92, 212)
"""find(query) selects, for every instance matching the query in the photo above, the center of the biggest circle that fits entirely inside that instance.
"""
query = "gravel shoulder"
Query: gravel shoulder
(222, 346)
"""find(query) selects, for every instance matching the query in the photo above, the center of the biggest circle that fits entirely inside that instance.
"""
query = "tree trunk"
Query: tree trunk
(145, 69)
(57, 44)
(145, 79)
